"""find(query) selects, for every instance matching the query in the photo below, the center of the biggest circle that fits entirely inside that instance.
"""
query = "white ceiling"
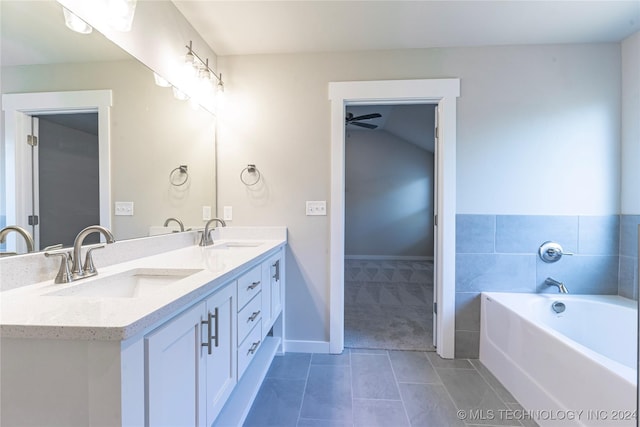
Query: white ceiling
(256, 27)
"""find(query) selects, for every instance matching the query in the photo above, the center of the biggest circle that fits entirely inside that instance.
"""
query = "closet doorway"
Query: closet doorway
(389, 229)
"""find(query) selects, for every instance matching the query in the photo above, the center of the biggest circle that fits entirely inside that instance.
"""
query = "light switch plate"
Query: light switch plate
(206, 213)
(316, 207)
(227, 213)
(124, 208)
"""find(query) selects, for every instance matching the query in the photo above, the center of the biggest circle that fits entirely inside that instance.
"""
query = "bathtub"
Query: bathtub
(575, 368)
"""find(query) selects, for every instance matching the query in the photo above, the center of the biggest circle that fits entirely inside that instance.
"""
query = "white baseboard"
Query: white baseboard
(295, 346)
(389, 257)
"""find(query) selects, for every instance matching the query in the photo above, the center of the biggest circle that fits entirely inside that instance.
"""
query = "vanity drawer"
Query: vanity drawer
(249, 285)
(249, 316)
(249, 347)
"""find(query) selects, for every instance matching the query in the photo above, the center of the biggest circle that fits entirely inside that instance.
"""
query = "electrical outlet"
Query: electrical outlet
(318, 207)
(124, 208)
(227, 213)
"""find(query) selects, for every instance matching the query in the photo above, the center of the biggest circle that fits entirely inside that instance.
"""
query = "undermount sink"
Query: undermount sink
(139, 282)
(237, 245)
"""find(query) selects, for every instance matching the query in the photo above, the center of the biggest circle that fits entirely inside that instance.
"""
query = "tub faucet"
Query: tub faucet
(21, 231)
(174, 220)
(78, 270)
(561, 287)
(206, 236)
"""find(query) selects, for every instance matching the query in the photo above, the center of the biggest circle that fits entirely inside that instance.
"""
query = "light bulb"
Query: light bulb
(161, 81)
(178, 94)
(73, 22)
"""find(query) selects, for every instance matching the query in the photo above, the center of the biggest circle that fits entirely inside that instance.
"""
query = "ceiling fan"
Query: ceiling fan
(351, 120)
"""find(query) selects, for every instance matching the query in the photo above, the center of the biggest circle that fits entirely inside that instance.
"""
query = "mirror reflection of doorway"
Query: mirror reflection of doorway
(66, 196)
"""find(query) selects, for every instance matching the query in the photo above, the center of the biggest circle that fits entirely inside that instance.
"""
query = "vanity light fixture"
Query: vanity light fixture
(201, 69)
(73, 22)
(161, 81)
(121, 13)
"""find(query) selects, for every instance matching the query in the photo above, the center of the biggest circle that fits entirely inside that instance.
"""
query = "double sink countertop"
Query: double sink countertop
(126, 298)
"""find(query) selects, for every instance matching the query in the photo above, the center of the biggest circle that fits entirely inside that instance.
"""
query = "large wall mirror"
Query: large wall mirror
(161, 150)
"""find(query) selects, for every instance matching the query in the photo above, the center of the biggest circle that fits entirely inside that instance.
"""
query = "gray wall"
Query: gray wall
(524, 115)
(388, 196)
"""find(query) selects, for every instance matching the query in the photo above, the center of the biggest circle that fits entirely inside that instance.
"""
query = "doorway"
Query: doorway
(66, 182)
(18, 112)
(444, 93)
(389, 229)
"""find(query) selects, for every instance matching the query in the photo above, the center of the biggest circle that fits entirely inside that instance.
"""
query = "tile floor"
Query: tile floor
(382, 388)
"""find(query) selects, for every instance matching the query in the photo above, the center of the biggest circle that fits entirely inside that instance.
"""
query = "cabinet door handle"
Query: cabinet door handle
(208, 323)
(253, 285)
(253, 316)
(276, 267)
(215, 327)
(254, 347)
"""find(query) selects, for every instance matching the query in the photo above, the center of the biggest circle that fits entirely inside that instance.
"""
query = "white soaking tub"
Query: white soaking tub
(577, 367)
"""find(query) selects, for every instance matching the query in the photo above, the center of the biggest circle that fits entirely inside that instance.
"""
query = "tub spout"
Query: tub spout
(561, 287)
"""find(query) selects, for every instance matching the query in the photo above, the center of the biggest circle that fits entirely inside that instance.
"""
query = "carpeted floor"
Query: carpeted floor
(388, 305)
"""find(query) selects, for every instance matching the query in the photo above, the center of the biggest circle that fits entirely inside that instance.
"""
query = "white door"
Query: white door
(175, 358)
(219, 334)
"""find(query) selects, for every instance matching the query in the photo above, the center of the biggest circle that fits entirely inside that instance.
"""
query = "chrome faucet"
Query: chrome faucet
(78, 270)
(561, 287)
(174, 220)
(21, 231)
(206, 236)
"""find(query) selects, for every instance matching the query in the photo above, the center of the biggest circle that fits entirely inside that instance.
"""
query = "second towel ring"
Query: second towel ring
(182, 170)
(250, 170)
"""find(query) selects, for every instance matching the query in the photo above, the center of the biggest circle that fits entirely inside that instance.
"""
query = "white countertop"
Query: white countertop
(28, 312)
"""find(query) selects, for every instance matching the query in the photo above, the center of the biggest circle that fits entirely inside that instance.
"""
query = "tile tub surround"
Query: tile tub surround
(628, 279)
(500, 253)
(379, 388)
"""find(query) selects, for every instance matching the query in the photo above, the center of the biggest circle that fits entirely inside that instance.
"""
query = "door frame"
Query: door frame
(444, 93)
(18, 107)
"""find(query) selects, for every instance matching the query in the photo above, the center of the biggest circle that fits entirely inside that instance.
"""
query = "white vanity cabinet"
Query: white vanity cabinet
(191, 363)
(272, 291)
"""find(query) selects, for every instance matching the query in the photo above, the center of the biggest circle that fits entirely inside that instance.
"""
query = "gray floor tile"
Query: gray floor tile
(412, 367)
(497, 386)
(471, 393)
(290, 366)
(367, 351)
(306, 422)
(524, 418)
(429, 405)
(277, 404)
(382, 413)
(343, 359)
(327, 395)
(439, 362)
(373, 377)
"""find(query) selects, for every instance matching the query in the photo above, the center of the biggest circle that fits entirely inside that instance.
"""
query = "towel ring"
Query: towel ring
(250, 169)
(180, 170)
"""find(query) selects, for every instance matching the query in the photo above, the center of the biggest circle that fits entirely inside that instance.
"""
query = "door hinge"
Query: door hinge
(33, 219)
(435, 220)
(32, 140)
(435, 308)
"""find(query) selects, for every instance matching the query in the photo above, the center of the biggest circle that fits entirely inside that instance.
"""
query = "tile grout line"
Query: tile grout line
(395, 378)
(446, 389)
(353, 418)
(304, 390)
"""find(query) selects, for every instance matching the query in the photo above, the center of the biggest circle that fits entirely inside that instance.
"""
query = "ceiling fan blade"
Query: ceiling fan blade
(363, 125)
(367, 117)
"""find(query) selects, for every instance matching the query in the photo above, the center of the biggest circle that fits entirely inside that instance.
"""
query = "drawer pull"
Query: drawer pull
(254, 347)
(253, 285)
(253, 316)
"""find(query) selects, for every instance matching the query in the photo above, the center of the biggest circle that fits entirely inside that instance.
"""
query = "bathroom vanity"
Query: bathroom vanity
(183, 337)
